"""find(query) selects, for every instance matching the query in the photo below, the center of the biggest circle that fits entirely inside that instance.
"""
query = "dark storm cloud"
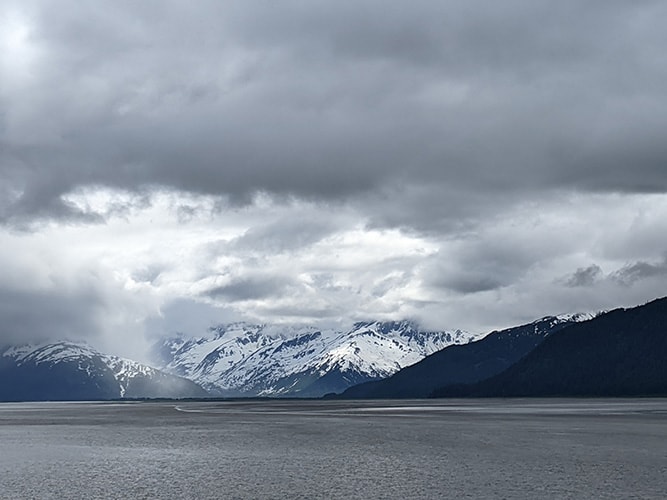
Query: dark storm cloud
(323, 100)
(495, 258)
(250, 288)
(584, 276)
(301, 312)
(474, 278)
(640, 270)
(594, 278)
(365, 158)
(472, 282)
(33, 316)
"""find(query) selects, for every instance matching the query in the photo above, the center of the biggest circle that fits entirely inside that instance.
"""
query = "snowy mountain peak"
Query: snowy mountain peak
(567, 318)
(50, 352)
(385, 326)
(78, 364)
(579, 317)
(275, 360)
(232, 330)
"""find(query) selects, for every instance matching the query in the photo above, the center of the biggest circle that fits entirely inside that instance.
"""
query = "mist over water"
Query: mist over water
(317, 449)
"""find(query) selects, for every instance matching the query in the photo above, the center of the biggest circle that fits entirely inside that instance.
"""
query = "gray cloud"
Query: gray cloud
(627, 275)
(250, 288)
(300, 313)
(33, 316)
(150, 274)
(584, 276)
(335, 101)
(189, 317)
(640, 270)
(328, 160)
(493, 258)
(51, 289)
(283, 235)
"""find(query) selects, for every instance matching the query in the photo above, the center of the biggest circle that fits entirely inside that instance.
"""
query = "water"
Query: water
(323, 449)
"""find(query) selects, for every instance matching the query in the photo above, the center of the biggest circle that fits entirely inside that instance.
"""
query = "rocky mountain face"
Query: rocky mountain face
(73, 371)
(241, 359)
(458, 364)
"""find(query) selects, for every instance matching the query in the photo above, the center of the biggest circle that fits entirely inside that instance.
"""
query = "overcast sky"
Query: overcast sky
(470, 164)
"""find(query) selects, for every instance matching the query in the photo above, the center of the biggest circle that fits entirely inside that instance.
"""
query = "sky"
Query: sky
(166, 166)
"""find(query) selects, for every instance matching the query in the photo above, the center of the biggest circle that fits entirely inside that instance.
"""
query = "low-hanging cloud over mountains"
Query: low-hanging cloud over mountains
(466, 163)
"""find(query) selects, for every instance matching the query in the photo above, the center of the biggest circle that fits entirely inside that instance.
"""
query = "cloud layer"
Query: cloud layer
(466, 163)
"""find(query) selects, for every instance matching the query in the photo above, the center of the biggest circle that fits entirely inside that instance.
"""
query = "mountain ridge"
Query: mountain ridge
(619, 353)
(68, 370)
(554, 355)
(469, 362)
(261, 360)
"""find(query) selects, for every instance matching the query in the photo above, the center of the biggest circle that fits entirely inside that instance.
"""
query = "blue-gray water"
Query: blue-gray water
(291, 449)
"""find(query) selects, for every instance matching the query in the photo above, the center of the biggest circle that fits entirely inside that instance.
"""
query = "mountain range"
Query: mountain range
(242, 359)
(459, 364)
(61, 371)
(616, 353)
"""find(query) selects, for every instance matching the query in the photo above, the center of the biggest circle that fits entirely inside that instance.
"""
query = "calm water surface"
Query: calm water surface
(322, 449)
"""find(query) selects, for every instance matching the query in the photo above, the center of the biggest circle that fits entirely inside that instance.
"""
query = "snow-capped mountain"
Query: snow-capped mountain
(74, 371)
(241, 359)
(468, 363)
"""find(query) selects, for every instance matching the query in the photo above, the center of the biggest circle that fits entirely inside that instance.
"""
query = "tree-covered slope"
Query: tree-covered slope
(620, 353)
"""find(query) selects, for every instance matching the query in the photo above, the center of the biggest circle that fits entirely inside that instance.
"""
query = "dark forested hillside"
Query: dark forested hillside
(462, 363)
(620, 353)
